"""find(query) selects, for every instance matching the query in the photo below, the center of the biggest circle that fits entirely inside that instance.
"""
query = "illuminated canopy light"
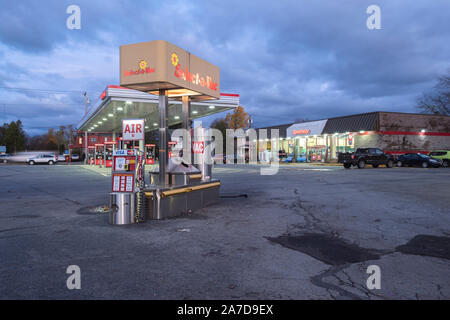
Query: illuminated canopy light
(176, 117)
(128, 102)
(120, 108)
(212, 107)
(178, 93)
(104, 119)
(194, 112)
(423, 130)
(110, 115)
(362, 131)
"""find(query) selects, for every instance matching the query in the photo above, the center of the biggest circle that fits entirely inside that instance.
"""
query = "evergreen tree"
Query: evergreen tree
(14, 138)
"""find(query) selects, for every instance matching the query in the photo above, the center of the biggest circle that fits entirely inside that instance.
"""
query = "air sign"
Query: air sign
(133, 129)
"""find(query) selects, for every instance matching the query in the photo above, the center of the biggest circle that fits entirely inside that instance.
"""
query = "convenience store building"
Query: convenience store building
(395, 133)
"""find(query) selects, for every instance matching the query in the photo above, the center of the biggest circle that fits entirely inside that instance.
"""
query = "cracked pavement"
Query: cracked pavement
(223, 251)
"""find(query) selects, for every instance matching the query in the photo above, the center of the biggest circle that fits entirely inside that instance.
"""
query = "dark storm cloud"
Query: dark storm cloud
(287, 59)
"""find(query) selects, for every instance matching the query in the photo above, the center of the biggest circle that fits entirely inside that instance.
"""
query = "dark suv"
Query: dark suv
(363, 156)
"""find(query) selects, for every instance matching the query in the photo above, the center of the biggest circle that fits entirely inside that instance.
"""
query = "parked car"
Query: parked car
(443, 155)
(42, 158)
(4, 157)
(282, 155)
(301, 158)
(60, 158)
(417, 160)
(75, 157)
(363, 156)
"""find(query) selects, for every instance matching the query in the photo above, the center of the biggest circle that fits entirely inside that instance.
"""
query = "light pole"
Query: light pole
(86, 101)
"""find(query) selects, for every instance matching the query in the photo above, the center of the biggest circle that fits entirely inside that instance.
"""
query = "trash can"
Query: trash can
(122, 208)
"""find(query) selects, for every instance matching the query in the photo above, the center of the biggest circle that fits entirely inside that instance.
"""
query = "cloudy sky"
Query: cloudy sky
(287, 59)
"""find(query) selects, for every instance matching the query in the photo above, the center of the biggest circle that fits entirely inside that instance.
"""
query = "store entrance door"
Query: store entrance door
(317, 154)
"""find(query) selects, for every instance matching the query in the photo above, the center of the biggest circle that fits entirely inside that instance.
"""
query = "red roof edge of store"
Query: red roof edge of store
(113, 86)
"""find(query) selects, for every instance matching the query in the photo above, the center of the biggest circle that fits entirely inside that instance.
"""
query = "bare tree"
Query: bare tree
(438, 101)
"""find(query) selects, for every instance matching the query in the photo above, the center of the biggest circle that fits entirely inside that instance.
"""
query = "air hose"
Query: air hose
(140, 206)
(139, 214)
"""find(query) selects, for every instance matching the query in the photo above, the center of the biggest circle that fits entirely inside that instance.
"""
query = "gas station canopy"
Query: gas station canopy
(154, 65)
(117, 103)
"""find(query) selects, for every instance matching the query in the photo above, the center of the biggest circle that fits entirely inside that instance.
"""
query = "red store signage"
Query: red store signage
(302, 131)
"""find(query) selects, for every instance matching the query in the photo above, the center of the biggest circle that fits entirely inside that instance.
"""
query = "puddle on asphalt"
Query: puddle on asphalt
(427, 245)
(326, 248)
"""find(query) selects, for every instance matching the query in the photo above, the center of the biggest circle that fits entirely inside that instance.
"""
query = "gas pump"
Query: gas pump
(123, 144)
(110, 146)
(127, 144)
(119, 143)
(127, 199)
(150, 153)
(91, 155)
(99, 154)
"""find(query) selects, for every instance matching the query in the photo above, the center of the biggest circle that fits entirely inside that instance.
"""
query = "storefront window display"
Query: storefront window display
(300, 146)
(342, 143)
(317, 148)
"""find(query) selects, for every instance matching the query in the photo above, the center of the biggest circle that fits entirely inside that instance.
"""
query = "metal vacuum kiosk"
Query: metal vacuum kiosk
(161, 68)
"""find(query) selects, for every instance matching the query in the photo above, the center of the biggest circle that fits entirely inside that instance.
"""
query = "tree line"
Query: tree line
(14, 137)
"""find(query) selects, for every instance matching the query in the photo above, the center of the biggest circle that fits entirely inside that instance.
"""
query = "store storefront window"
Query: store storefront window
(350, 142)
(300, 146)
(318, 148)
(344, 143)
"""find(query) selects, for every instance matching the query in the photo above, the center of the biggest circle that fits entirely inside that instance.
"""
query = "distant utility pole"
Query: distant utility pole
(85, 133)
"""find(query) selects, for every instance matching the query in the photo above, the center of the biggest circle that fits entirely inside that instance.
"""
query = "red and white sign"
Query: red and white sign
(123, 182)
(198, 147)
(133, 129)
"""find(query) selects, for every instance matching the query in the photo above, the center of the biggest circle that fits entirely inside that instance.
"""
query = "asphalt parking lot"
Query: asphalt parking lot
(308, 232)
